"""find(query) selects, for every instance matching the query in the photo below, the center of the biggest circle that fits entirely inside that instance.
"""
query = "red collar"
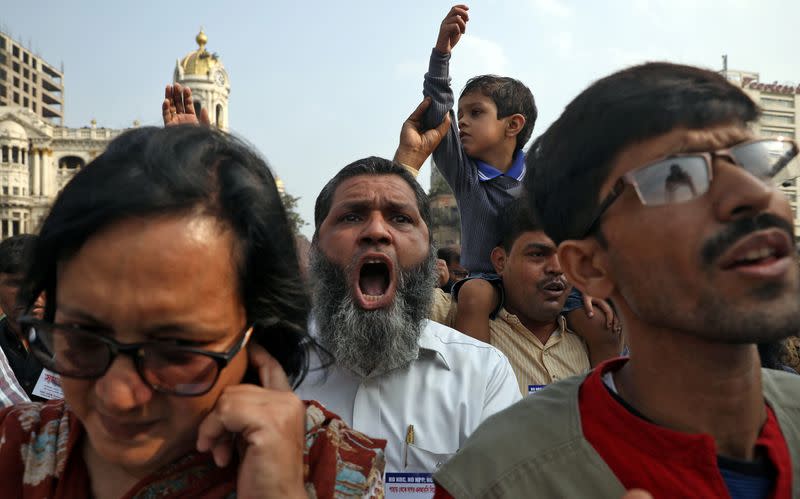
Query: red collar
(665, 462)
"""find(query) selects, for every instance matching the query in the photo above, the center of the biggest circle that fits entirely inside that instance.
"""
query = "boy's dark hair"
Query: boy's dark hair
(151, 172)
(573, 158)
(372, 165)
(449, 254)
(15, 253)
(517, 219)
(510, 96)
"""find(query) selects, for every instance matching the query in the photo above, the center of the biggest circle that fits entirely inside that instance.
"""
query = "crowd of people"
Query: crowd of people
(620, 321)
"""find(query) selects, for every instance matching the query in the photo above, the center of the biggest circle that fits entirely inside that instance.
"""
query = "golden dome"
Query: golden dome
(200, 61)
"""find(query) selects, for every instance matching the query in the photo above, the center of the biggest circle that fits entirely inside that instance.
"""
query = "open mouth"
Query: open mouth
(375, 287)
(555, 286)
(554, 289)
(762, 254)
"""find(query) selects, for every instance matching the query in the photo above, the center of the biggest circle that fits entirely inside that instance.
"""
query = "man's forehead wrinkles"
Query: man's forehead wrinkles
(713, 139)
(371, 196)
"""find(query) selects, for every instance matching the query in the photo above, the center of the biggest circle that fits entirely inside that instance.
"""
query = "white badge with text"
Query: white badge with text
(409, 486)
(48, 386)
(535, 388)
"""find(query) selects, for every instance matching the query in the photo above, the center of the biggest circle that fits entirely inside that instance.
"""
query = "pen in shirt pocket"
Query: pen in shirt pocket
(409, 441)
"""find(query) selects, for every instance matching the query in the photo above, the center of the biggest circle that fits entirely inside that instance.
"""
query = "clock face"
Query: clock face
(219, 77)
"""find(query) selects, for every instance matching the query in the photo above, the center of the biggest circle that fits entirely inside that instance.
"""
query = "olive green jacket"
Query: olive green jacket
(508, 457)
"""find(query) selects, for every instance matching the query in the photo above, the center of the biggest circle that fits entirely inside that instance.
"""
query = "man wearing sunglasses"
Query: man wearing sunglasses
(662, 200)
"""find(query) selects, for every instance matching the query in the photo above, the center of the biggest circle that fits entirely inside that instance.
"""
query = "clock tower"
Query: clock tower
(203, 72)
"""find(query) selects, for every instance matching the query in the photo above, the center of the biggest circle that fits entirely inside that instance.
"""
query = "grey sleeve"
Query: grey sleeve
(458, 170)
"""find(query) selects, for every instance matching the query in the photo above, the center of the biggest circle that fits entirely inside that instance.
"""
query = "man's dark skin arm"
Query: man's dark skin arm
(604, 340)
(416, 143)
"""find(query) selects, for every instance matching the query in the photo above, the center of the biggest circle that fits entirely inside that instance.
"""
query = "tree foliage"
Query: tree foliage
(290, 205)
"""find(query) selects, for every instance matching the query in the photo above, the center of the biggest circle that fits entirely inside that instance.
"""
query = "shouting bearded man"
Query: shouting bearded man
(420, 385)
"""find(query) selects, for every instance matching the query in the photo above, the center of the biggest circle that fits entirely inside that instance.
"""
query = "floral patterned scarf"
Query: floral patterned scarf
(40, 457)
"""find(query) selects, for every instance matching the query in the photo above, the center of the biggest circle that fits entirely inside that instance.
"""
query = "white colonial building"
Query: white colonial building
(37, 157)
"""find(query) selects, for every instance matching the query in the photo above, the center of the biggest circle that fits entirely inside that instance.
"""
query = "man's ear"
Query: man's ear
(498, 258)
(585, 264)
(515, 124)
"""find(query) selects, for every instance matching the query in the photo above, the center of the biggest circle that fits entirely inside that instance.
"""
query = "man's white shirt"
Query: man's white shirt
(427, 409)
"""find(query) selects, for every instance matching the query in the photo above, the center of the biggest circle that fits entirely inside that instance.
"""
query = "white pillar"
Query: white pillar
(45, 172)
(37, 162)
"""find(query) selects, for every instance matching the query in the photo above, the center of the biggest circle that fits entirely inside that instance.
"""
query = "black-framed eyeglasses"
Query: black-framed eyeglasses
(682, 177)
(166, 367)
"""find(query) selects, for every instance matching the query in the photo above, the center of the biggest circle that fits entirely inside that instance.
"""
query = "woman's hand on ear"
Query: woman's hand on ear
(267, 425)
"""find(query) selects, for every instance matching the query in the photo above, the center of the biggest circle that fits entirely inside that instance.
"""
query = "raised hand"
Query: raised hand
(416, 143)
(266, 425)
(178, 107)
(453, 26)
(442, 273)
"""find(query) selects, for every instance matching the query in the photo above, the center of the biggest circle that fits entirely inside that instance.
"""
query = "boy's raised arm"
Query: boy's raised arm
(437, 79)
(453, 26)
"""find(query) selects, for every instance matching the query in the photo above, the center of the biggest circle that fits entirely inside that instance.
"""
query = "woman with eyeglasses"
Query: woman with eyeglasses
(176, 318)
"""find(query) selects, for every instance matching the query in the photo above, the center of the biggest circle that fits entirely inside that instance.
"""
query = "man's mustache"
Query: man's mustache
(738, 229)
(553, 280)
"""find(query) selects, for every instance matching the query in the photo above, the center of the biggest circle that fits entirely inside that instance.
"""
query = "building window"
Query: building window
(5, 190)
(24, 87)
(5, 154)
(25, 72)
(16, 98)
(16, 81)
(33, 63)
(772, 102)
(2, 90)
(778, 118)
(2, 43)
(15, 67)
(15, 50)
(15, 191)
(35, 78)
(15, 154)
(34, 107)
(25, 102)
(777, 133)
(2, 58)
(15, 228)
(25, 57)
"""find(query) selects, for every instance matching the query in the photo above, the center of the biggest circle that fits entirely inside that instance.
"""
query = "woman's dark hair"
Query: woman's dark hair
(150, 172)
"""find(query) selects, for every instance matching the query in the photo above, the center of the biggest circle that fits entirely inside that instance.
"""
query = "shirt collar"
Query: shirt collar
(510, 319)
(430, 341)
(517, 170)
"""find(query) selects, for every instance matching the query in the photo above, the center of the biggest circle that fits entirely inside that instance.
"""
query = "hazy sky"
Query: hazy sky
(316, 85)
